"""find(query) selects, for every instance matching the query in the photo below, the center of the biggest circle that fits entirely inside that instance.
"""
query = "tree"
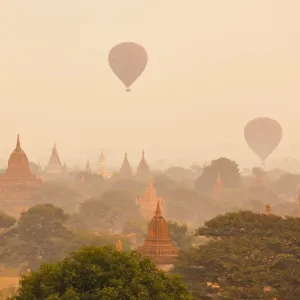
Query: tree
(246, 254)
(180, 235)
(94, 214)
(44, 232)
(102, 273)
(229, 173)
(140, 229)
(287, 185)
(6, 221)
(60, 195)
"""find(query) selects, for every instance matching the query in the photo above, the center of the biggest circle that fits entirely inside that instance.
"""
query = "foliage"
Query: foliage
(287, 184)
(184, 205)
(246, 253)
(94, 215)
(101, 273)
(229, 173)
(41, 222)
(59, 194)
(40, 235)
(140, 229)
(180, 235)
(6, 221)
(8, 293)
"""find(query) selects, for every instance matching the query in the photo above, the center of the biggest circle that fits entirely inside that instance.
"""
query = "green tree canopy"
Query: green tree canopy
(229, 173)
(102, 273)
(247, 252)
(180, 235)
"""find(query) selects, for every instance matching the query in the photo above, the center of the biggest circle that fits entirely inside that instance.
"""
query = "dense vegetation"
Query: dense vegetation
(249, 256)
(102, 273)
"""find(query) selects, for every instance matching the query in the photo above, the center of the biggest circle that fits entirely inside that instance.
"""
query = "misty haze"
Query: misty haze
(145, 140)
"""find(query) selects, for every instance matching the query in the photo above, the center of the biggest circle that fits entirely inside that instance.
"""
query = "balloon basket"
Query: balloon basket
(128, 90)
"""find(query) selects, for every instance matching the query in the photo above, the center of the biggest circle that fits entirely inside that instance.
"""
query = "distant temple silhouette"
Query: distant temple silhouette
(148, 202)
(18, 184)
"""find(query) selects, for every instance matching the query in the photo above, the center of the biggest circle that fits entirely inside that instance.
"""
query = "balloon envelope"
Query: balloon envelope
(128, 61)
(263, 136)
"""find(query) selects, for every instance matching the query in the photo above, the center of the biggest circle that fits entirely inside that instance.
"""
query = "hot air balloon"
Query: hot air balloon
(128, 61)
(263, 136)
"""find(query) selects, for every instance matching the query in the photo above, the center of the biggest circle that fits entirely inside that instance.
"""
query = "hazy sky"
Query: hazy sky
(213, 65)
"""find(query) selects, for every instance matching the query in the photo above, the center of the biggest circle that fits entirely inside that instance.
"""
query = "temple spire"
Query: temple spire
(158, 245)
(158, 210)
(218, 187)
(268, 210)
(143, 154)
(119, 246)
(18, 145)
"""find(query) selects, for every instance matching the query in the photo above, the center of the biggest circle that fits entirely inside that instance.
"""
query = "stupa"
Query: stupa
(143, 170)
(158, 246)
(218, 188)
(18, 184)
(148, 202)
(125, 171)
(54, 165)
(102, 171)
(268, 210)
(119, 246)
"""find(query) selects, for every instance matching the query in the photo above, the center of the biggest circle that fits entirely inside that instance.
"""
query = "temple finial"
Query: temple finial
(143, 154)
(158, 210)
(18, 145)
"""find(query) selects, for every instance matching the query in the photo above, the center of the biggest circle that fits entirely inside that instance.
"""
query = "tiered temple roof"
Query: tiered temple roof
(158, 246)
(148, 202)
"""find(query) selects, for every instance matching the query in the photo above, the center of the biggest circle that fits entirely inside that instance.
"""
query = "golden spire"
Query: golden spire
(268, 210)
(119, 246)
(18, 145)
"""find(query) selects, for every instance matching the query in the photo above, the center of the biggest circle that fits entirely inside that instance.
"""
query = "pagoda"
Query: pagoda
(268, 210)
(102, 170)
(54, 165)
(148, 202)
(119, 246)
(125, 171)
(158, 246)
(218, 187)
(18, 184)
(143, 170)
